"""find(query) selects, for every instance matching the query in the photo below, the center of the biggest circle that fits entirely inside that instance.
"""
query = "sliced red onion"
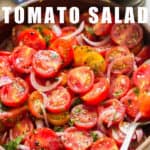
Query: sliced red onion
(79, 40)
(2, 148)
(60, 134)
(95, 44)
(128, 138)
(39, 123)
(139, 134)
(56, 29)
(3, 138)
(5, 80)
(10, 135)
(23, 147)
(147, 61)
(76, 32)
(42, 88)
(110, 66)
(123, 127)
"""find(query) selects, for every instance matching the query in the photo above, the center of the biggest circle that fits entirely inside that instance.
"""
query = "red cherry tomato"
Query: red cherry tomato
(98, 93)
(59, 100)
(120, 34)
(32, 38)
(15, 93)
(64, 48)
(102, 29)
(46, 63)
(84, 117)
(5, 53)
(35, 103)
(80, 79)
(22, 127)
(75, 139)
(43, 138)
(22, 58)
(111, 112)
(141, 76)
(116, 52)
(119, 86)
(68, 30)
(10, 117)
(130, 101)
(104, 143)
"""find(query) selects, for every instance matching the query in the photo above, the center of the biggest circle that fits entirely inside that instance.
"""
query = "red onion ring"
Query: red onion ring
(76, 32)
(95, 44)
(5, 80)
(42, 88)
(56, 29)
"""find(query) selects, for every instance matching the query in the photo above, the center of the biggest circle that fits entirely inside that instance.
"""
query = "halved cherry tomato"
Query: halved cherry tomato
(46, 63)
(144, 103)
(111, 112)
(98, 93)
(35, 101)
(130, 101)
(75, 139)
(9, 118)
(59, 100)
(59, 118)
(5, 53)
(32, 38)
(116, 52)
(22, 58)
(141, 77)
(43, 138)
(15, 93)
(120, 34)
(105, 143)
(102, 29)
(80, 79)
(119, 86)
(22, 127)
(64, 48)
(84, 117)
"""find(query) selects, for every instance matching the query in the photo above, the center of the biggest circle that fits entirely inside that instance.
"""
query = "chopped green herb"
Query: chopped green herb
(117, 93)
(136, 91)
(58, 129)
(47, 40)
(39, 29)
(71, 122)
(89, 30)
(76, 102)
(12, 145)
(94, 136)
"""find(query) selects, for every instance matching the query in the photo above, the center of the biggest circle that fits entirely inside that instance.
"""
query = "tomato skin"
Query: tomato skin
(141, 77)
(32, 38)
(80, 79)
(46, 63)
(64, 48)
(59, 118)
(75, 139)
(34, 102)
(15, 93)
(111, 112)
(94, 96)
(130, 101)
(43, 138)
(22, 59)
(104, 143)
(144, 103)
(84, 117)
(22, 127)
(68, 30)
(119, 86)
(59, 100)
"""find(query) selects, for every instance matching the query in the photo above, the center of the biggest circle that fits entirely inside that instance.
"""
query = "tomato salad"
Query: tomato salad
(74, 87)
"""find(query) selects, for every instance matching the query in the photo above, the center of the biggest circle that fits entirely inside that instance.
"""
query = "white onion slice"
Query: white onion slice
(76, 32)
(56, 29)
(5, 80)
(128, 138)
(23, 147)
(42, 88)
(95, 44)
